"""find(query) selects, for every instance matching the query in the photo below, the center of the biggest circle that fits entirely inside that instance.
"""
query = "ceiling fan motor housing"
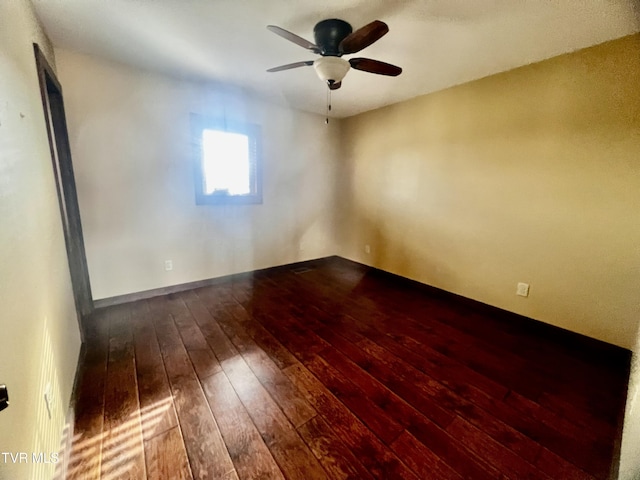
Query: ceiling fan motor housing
(329, 33)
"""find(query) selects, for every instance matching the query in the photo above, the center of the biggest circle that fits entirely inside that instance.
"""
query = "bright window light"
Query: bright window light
(226, 163)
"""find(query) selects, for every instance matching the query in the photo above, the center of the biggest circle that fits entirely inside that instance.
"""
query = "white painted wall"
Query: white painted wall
(39, 334)
(130, 139)
(630, 450)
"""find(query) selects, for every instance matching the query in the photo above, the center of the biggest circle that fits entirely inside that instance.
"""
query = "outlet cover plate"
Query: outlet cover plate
(523, 289)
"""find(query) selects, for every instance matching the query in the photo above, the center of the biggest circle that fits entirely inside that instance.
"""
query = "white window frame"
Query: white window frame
(199, 124)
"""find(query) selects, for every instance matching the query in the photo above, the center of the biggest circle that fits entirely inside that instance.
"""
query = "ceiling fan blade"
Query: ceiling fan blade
(335, 85)
(375, 66)
(292, 37)
(363, 37)
(290, 66)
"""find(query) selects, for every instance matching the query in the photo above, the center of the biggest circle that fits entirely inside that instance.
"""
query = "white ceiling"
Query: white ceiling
(438, 43)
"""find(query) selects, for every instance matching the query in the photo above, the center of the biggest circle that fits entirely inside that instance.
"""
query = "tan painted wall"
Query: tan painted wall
(527, 176)
(130, 138)
(38, 327)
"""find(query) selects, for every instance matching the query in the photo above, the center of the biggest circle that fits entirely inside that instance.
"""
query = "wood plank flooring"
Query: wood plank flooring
(339, 371)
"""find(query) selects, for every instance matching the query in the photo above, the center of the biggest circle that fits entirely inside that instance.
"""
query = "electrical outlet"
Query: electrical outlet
(522, 289)
(168, 265)
(367, 249)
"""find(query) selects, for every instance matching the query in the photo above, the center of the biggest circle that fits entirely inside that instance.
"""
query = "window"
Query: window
(227, 166)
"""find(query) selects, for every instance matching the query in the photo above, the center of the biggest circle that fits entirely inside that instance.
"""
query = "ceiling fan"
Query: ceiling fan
(335, 38)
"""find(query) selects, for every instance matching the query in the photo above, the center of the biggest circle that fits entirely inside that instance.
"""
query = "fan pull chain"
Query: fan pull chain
(328, 104)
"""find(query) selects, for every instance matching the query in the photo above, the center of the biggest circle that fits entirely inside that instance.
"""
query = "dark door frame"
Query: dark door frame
(55, 119)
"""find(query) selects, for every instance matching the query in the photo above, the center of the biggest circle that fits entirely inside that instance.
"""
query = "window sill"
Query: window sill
(228, 199)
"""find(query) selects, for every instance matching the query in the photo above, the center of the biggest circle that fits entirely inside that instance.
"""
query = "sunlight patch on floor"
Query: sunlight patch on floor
(113, 451)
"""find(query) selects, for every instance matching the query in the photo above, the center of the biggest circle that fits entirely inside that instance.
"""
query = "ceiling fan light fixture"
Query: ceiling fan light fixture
(331, 69)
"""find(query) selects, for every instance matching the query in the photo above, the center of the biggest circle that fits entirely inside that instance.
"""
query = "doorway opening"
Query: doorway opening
(55, 119)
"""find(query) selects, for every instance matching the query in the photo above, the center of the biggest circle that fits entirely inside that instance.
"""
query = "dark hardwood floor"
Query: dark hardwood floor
(338, 371)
